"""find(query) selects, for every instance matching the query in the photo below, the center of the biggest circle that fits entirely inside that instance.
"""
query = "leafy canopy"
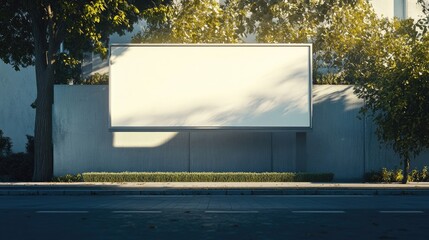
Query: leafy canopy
(332, 26)
(393, 79)
(194, 21)
(82, 26)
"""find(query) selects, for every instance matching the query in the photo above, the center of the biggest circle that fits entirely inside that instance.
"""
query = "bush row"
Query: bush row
(396, 175)
(197, 177)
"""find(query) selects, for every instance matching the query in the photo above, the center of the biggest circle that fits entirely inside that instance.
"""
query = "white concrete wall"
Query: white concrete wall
(384, 8)
(412, 9)
(339, 142)
(397, 8)
(17, 92)
(337, 139)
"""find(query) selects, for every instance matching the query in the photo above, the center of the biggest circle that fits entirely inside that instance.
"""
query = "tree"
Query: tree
(194, 21)
(333, 27)
(392, 73)
(31, 34)
(388, 61)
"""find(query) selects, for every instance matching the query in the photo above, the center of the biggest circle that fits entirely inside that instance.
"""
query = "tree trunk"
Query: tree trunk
(43, 155)
(406, 170)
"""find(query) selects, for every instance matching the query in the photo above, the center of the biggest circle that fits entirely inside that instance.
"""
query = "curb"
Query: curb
(231, 192)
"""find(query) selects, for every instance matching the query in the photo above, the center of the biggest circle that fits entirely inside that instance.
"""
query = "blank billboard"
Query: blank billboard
(204, 86)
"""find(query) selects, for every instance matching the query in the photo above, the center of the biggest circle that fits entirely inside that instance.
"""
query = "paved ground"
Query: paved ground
(171, 188)
(214, 217)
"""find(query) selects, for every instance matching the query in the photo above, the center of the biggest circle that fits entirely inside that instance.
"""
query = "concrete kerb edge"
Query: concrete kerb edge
(181, 190)
(71, 192)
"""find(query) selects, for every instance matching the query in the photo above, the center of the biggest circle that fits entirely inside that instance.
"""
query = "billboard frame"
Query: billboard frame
(217, 128)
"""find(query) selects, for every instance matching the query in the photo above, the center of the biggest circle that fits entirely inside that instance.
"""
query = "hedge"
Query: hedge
(197, 177)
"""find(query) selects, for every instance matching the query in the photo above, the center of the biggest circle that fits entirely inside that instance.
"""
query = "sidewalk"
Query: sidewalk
(213, 188)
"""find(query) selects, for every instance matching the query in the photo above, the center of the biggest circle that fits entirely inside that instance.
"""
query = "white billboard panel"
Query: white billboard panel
(205, 86)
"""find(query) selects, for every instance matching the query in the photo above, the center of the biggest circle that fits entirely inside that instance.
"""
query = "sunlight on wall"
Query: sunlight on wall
(337, 93)
(141, 139)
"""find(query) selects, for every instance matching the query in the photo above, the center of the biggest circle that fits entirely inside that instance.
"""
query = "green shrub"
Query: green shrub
(424, 174)
(68, 178)
(205, 177)
(386, 175)
(396, 175)
(96, 79)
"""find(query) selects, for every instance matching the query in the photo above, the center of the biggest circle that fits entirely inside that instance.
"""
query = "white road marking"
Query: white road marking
(214, 211)
(160, 196)
(314, 196)
(323, 211)
(61, 211)
(136, 211)
(401, 211)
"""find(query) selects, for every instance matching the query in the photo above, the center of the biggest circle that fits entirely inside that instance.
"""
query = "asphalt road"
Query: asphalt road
(214, 217)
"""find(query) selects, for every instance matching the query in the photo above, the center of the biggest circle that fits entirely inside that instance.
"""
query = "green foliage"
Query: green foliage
(5, 145)
(391, 176)
(69, 178)
(67, 69)
(205, 177)
(283, 21)
(193, 21)
(342, 32)
(424, 174)
(348, 24)
(392, 76)
(95, 79)
(81, 25)
(396, 175)
(334, 27)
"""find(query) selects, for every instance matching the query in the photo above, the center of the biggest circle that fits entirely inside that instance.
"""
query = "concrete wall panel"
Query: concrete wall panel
(230, 152)
(339, 142)
(83, 143)
(336, 142)
(284, 151)
(17, 93)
